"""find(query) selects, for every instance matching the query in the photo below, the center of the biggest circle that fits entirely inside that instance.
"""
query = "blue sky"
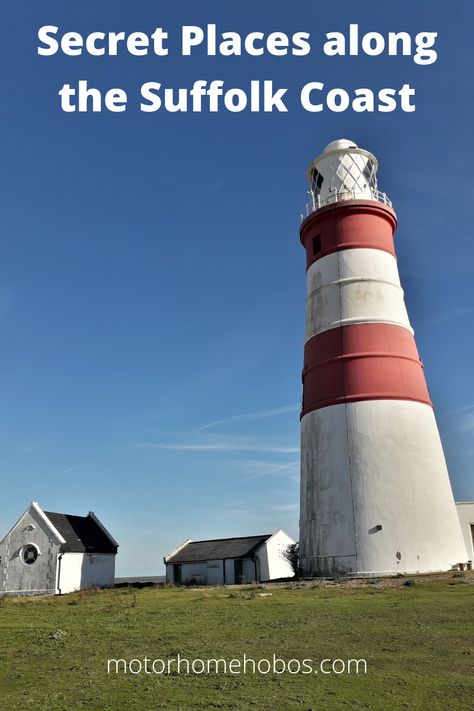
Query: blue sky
(152, 284)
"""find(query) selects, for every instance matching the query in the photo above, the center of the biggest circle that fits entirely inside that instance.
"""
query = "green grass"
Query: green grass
(416, 640)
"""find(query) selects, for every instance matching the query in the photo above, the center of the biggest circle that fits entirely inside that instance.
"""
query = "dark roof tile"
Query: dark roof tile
(218, 549)
(81, 533)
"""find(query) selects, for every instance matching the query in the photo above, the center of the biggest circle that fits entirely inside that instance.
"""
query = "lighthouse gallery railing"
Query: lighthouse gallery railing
(344, 194)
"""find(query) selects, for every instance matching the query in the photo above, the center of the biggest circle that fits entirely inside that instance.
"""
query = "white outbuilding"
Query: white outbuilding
(465, 511)
(48, 553)
(230, 561)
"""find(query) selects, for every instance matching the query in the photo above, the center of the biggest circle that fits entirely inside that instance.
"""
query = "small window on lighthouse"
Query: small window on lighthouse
(317, 180)
(316, 245)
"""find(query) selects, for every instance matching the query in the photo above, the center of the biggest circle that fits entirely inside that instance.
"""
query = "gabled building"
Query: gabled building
(230, 561)
(48, 553)
(465, 511)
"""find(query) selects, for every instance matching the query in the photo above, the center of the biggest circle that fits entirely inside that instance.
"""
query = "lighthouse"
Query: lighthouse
(375, 492)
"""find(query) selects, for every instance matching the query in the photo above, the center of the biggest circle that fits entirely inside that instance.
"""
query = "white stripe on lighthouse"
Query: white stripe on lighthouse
(354, 286)
(375, 491)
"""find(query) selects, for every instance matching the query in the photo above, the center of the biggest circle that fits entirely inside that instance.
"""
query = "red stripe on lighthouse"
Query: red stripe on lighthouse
(370, 361)
(348, 225)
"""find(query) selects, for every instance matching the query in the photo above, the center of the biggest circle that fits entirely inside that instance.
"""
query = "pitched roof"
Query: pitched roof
(81, 533)
(219, 548)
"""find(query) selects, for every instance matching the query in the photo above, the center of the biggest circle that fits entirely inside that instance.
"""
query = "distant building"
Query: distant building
(465, 511)
(49, 553)
(230, 561)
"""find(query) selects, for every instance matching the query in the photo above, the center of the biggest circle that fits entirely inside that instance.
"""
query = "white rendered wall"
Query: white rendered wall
(194, 572)
(248, 571)
(229, 572)
(215, 572)
(372, 463)
(278, 566)
(354, 286)
(98, 569)
(18, 578)
(70, 572)
(211, 572)
(465, 511)
(263, 567)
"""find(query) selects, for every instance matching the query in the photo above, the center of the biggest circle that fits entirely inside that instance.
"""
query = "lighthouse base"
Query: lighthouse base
(375, 492)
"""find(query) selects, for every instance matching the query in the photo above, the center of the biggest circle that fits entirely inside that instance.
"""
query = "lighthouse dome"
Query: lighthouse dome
(340, 145)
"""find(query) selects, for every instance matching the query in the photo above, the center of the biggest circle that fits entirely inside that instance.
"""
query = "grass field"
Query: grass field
(417, 640)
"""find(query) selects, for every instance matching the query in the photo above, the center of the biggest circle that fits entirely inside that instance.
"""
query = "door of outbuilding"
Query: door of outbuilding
(238, 572)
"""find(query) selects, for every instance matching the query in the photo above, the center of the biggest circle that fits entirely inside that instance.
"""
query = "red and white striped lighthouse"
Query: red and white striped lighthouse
(375, 491)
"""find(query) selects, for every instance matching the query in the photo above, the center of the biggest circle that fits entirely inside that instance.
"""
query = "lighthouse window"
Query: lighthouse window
(316, 245)
(317, 179)
(368, 173)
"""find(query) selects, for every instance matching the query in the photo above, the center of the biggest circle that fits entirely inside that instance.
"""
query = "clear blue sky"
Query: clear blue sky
(152, 284)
